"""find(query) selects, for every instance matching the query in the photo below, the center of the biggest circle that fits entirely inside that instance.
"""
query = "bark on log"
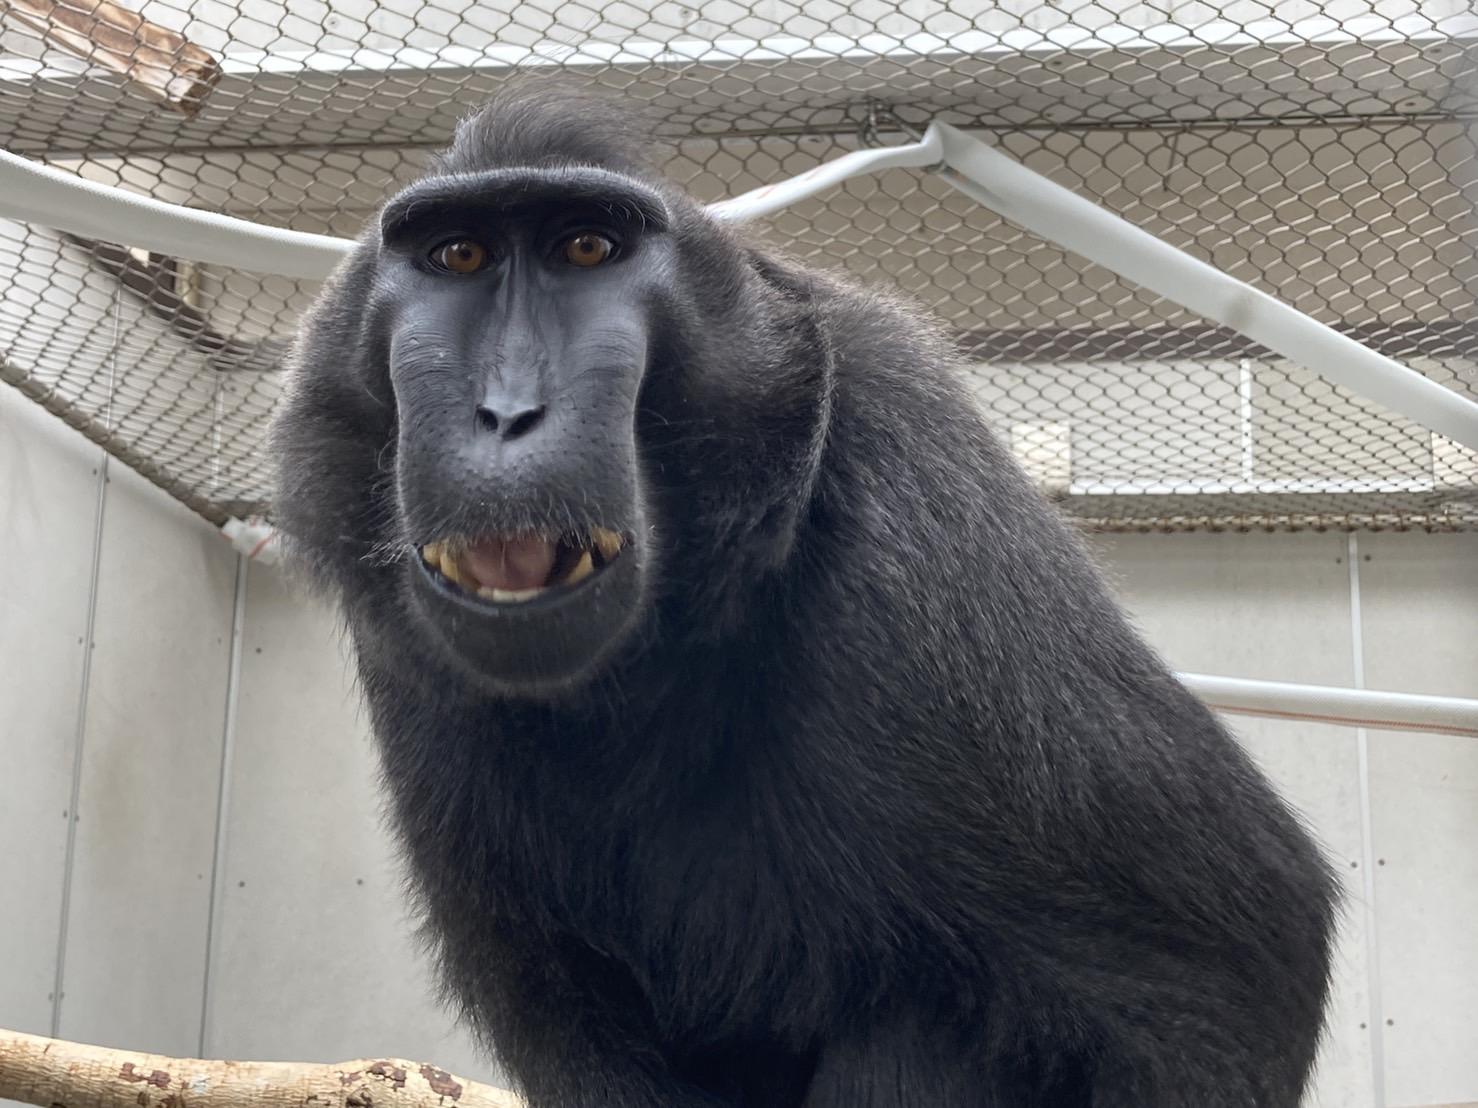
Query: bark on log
(52, 1073)
(162, 64)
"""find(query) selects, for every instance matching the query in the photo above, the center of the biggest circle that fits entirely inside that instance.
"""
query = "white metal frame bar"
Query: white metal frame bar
(1359, 708)
(927, 152)
(34, 193)
(1061, 216)
(40, 194)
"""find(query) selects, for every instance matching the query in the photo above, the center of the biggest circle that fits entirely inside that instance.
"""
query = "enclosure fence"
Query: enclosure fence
(1325, 154)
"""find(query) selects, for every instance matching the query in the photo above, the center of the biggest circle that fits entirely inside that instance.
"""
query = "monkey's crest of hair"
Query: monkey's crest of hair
(543, 122)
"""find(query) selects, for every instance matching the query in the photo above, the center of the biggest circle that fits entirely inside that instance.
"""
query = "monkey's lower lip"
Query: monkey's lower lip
(515, 569)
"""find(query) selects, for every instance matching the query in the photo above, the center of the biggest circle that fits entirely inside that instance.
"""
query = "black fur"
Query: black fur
(879, 801)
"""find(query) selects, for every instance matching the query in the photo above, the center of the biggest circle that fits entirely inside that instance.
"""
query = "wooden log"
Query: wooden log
(158, 62)
(53, 1073)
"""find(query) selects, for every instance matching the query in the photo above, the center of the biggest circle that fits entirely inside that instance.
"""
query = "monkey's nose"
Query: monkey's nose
(509, 420)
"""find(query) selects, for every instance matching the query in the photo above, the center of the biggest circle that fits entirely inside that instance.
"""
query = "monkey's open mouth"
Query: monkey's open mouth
(514, 569)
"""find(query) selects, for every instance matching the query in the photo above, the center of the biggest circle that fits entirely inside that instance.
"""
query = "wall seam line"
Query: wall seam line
(216, 905)
(1376, 1014)
(78, 742)
(89, 648)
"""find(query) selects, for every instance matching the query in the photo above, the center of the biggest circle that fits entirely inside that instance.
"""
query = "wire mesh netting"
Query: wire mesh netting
(1326, 153)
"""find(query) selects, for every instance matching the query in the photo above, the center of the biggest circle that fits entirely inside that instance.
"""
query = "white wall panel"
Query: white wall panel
(315, 953)
(48, 501)
(135, 955)
(1274, 607)
(1419, 601)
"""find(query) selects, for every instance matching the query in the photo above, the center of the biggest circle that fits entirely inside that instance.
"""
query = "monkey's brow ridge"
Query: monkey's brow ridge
(508, 188)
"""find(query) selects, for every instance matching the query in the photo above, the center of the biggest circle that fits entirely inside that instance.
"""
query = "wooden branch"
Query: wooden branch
(154, 282)
(52, 1073)
(160, 63)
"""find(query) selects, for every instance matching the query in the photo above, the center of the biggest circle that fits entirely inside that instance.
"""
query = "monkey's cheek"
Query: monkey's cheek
(539, 647)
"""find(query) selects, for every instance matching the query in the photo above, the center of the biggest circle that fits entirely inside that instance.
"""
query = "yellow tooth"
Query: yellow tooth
(607, 542)
(583, 569)
(507, 596)
(431, 553)
(449, 565)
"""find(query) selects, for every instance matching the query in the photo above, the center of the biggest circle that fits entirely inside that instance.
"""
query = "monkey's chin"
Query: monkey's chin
(539, 647)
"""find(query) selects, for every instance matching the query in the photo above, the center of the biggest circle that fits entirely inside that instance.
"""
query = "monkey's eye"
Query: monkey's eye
(588, 249)
(460, 256)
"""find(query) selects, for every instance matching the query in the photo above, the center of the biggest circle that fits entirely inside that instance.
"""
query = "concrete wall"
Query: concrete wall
(305, 949)
(115, 616)
(117, 613)
(315, 956)
(1405, 612)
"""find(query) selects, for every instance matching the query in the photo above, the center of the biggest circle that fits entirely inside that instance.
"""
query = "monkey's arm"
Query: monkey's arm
(898, 1061)
(570, 1029)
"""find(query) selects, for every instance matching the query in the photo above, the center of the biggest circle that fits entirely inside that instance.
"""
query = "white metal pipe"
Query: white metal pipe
(1133, 486)
(1061, 216)
(1343, 707)
(771, 198)
(69, 203)
(1448, 715)
(257, 540)
(36, 193)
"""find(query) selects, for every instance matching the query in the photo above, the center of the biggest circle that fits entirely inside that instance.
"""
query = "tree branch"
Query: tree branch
(52, 1073)
(160, 63)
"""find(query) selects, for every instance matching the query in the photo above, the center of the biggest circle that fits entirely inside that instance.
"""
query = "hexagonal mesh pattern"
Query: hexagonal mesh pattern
(1324, 152)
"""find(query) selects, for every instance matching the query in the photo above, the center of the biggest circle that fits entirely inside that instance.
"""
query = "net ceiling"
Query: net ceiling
(1326, 153)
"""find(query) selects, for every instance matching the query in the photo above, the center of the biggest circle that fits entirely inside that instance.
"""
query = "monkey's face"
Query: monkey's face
(517, 311)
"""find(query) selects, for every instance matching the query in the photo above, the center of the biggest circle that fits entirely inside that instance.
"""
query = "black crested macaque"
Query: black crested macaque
(757, 735)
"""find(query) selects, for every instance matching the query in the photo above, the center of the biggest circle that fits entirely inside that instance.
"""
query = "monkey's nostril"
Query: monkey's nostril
(524, 422)
(509, 425)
